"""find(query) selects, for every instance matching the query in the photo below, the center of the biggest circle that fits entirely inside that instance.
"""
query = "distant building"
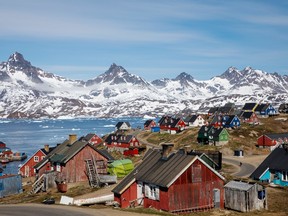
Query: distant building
(27, 169)
(194, 121)
(171, 125)
(283, 108)
(123, 126)
(272, 140)
(213, 136)
(126, 144)
(149, 124)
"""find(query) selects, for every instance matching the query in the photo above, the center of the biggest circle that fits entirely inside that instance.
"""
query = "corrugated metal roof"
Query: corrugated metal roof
(65, 151)
(275, 136)
(164, 170)
(159, 171)
(243, 186)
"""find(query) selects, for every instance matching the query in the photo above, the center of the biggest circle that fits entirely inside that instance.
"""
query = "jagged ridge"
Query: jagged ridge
(30, 92)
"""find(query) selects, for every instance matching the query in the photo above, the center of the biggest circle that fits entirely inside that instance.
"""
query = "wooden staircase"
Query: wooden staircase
(39, 185)
(92, 173)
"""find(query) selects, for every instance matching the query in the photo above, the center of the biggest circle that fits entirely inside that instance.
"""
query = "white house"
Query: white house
(194, 121)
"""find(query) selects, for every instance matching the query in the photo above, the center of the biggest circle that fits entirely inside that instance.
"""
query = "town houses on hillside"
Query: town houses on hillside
(171, 125)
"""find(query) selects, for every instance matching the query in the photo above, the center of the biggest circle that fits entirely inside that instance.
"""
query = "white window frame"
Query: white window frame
(284, 175)
(36, 158)
(152, 192)
(58, 167)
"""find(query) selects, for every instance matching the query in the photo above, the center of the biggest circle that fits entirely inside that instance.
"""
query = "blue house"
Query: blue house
(265, 110)
(274, 169)
(10, 184)
(231, 121)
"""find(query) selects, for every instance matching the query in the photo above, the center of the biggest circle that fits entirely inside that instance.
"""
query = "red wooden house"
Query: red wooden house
(69, 160)
(216, 121)
(27, 169)
(249, 117)
(171, 125)
(149, 124)
(93, 139)
(173, 182)
(272, 140)
(126, 144)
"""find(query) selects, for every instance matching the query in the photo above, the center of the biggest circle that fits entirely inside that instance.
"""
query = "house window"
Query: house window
(58, 168)
(42, 157)
(284, 175)
(196, 173)
(36, 159)
(152, 192)
(1, 186)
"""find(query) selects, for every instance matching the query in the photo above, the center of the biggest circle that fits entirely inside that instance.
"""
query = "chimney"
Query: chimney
(72, 138)
(46, 147)
(185, 150)
(166, 150)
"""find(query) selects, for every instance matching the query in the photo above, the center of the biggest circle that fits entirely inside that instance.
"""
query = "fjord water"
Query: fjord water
(22, 135)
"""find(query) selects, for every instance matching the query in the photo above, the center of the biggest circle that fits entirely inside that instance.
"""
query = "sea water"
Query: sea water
(30, 135)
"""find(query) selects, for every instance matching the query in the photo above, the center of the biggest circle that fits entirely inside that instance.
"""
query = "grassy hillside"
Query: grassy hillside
(244, 137)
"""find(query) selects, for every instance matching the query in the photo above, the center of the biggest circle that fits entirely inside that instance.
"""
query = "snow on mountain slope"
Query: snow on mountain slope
(28, 91)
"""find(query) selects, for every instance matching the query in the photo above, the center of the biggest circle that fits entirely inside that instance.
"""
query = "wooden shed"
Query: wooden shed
(245, 197)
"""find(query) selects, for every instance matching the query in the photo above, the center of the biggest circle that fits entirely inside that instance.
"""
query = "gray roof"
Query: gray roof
(275, 136)
(243, 186)
(50, 154)
(191, 118)
(119, 124)
(65, 151)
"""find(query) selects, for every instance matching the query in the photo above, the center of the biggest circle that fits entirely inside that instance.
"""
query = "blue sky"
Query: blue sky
(152, 38)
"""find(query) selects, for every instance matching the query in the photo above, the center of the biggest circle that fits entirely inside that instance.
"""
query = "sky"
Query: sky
(153, 39)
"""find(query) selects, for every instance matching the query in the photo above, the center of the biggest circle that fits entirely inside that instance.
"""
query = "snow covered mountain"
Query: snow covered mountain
(29, 92)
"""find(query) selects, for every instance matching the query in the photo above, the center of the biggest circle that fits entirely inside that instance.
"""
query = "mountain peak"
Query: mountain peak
(17, 60)
(231, 73)
(117, 75)
(184, 76)
(115, 69)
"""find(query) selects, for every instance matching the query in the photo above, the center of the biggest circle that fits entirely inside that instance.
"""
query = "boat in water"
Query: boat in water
(7, 155)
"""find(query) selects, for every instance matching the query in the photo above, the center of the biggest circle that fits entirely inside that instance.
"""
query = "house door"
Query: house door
(27, 169)
(140, 194)
(216, 198)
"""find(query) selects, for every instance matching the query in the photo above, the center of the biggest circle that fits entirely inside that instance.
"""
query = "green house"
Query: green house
(213, 136)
